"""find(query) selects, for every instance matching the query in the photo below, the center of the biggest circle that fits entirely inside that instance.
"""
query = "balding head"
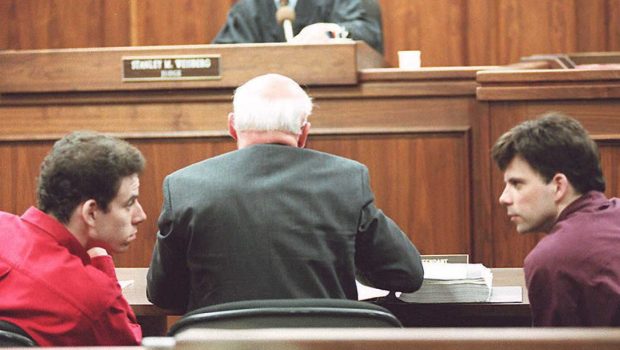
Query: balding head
(271, 102)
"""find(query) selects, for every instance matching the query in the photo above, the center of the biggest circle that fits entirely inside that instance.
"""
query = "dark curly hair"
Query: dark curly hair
(84, 165)
(554, 143)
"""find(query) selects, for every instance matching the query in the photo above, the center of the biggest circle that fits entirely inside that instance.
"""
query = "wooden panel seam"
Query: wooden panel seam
(222, 134)
(534, 92)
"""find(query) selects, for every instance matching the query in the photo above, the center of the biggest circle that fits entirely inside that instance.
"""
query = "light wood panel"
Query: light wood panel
(412, 183)
(36, 24)
(422, 131)
(594, 37)
(209, 115)
(414, 130)
(7, 178)
(59, 119)
(448, 32)
(413, 177)
(178, 22)
(535, 26)
(5, 7)
(478, 32)
(613, 22)
(434, 27)
(610, 161)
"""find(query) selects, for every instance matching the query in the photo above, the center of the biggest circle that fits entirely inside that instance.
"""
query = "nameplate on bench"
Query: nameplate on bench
(166, 68)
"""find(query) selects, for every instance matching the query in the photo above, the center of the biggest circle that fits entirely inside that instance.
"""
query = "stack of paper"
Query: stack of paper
(369, 293)
(452, 283)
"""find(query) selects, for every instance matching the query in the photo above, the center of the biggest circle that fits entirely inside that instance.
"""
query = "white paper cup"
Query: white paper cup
(409, 59)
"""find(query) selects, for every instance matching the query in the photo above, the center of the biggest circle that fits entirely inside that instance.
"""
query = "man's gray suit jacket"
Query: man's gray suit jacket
(273, 222)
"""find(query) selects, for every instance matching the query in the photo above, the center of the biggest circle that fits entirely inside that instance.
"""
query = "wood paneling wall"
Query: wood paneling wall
(411, 184)
(448, 32)
(414, 130)
(36, 24)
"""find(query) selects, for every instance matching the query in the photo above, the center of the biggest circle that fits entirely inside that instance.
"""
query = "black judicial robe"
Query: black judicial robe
(254, 21)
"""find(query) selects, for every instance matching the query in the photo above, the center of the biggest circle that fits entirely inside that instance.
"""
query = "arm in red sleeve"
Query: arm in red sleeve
(105, 264)
(118, 324)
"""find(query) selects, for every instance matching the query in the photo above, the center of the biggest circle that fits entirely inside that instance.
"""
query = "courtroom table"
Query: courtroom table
(153, 318)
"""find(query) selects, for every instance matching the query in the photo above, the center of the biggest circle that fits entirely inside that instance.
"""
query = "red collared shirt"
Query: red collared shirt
(51, 288)
(573, 274)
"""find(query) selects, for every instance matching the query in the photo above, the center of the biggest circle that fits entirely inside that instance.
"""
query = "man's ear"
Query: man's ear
(303, 137)
(231, 125)
(561, 185)
(88, 212)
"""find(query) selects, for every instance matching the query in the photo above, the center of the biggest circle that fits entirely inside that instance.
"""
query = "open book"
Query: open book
(452, 283)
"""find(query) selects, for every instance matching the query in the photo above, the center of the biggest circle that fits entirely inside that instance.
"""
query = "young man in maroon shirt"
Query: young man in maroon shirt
(554, 184)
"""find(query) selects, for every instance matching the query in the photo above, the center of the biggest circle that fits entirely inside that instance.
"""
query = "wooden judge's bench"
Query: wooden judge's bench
(424, 134)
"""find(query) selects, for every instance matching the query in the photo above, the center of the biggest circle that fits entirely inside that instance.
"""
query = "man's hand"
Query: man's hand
(96, 251)
(320, 33)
